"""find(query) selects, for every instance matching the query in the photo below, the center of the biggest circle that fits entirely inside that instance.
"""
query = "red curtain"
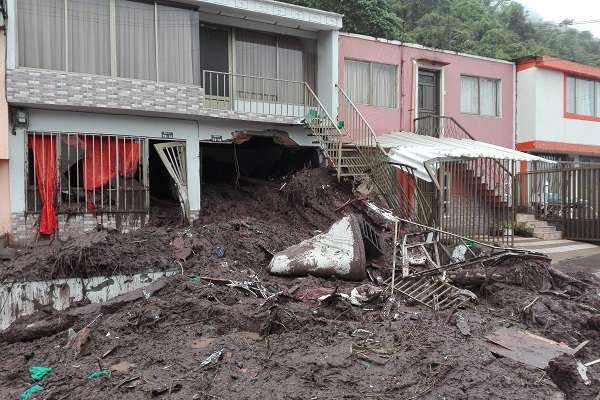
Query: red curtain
(44, 158)
(407, 185)
(101, 157)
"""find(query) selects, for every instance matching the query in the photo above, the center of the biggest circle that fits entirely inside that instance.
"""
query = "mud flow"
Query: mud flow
(221, 327)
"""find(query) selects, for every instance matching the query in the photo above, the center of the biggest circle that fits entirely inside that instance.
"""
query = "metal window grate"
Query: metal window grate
(94, 172)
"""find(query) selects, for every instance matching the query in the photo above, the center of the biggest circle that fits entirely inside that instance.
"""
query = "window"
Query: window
(479, 96)
(583, 96)
(41, 32)
(136, 46)
(371, 83)
(178, 39)
(273, 56)
(88, 36)
(82, 42)
(76, 173)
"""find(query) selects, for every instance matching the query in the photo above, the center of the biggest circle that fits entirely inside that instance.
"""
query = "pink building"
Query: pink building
(393, 83)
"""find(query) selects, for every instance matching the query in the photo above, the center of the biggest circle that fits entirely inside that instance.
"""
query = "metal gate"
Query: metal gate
(566, 194)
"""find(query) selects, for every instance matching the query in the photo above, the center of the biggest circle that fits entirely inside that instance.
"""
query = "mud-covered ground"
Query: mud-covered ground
(282, 348)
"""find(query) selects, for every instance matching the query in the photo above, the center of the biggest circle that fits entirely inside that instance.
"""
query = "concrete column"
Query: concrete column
(327, 70)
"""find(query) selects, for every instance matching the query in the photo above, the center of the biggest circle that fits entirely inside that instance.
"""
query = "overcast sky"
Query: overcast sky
(557, 11)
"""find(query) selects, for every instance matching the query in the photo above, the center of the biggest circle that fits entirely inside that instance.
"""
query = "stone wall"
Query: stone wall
(84, 92)
(25, 226)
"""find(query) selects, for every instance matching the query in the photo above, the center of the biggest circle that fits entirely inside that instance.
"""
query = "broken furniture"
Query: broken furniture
(338, 252)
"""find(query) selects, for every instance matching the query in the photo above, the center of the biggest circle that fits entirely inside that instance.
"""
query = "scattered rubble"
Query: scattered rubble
(225, 327)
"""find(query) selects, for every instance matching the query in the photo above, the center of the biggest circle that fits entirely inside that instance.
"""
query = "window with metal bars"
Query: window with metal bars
(71, 173)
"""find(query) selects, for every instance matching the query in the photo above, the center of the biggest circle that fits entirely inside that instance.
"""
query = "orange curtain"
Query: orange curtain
(102, 154)
(407, 185)
(44, 158)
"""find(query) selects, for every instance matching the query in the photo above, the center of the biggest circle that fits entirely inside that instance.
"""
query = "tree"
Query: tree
(493, 28)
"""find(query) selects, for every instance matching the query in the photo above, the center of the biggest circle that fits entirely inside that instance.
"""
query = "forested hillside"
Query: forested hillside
(493, 28)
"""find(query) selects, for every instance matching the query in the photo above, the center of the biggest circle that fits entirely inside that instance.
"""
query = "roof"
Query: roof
(421, 47)
(414, 150)
(270, 11)
(558, 64)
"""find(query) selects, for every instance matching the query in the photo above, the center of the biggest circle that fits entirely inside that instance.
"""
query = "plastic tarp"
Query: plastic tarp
(44, 158)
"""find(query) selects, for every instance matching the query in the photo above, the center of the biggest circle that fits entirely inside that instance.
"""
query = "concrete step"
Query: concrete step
(525, 217)
(543, 229)
(537, 224)
(548, 235)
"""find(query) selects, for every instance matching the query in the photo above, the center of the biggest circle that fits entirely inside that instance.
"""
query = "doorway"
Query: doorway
(214, 60)
(428, 104)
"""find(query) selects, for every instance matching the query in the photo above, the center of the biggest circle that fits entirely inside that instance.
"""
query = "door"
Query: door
(428, 102)
(214, 61)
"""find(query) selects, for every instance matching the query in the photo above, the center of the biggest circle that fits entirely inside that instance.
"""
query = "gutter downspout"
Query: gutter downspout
(401, 83)
(413, 94)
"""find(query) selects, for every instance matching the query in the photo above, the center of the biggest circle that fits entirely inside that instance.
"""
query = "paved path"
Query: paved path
(566, 255)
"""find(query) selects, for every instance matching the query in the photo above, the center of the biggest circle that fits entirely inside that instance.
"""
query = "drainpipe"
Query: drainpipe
(515, 111)
(401, 83)
(412, 97)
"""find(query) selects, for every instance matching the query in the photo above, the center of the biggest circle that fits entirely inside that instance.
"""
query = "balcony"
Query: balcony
(254, 95)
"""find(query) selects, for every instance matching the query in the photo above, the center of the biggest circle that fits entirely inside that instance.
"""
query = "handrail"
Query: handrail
(207, 71)
(374, 136)
(316, 98)
(444, 117)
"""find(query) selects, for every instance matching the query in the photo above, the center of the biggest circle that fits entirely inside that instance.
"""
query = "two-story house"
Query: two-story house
(558, 109)
(117, 103)
(396, 84)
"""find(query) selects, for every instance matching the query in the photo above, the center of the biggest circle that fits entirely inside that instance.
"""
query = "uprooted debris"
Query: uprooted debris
(225, 327)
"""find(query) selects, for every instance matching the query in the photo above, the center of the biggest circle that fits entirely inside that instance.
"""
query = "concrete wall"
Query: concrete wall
(526, 105)
(408, 58)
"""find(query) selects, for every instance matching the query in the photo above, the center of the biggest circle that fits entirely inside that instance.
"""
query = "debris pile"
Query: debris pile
(293, 289)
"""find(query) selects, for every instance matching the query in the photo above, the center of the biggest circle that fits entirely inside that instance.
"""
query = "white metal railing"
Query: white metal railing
(254, 94)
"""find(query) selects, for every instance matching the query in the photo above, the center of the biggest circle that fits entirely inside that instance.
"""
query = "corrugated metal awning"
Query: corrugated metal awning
(414, 150)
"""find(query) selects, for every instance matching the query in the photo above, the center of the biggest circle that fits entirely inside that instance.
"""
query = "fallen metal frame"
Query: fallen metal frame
(429, 287)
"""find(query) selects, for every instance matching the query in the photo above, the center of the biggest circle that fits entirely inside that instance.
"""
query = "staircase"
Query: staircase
(541, 229)
(350, 145)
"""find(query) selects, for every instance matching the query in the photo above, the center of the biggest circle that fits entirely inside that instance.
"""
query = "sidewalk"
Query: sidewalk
(566, 255)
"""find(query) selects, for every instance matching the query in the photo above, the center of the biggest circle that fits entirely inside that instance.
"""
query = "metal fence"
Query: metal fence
(254, 94)
(566, 193)
(475, 198)
(86, 173)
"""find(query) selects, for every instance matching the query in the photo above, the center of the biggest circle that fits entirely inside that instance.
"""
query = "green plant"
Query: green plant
(524, 230)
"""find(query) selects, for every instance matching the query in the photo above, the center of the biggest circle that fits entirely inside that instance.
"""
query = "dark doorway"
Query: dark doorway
(214, 56)
(162, 187)
(429, 93)
(258, 158)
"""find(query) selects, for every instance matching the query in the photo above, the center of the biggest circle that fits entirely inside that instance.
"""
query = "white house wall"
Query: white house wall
(526, 105)
(550, 123)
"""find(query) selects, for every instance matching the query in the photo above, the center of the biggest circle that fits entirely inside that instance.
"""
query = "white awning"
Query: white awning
(414, 150)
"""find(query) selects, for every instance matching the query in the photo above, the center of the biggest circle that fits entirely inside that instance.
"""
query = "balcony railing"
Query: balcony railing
(254, 94)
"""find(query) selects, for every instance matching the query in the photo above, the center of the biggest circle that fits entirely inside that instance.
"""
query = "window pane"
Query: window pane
(291, 68)
(384, 85)
(136, 47)
(571, 94)
(584, 103)
(178, 45)
(357, 81)
(469, 95)
(488, 97)
(89, 36)
(256, 56)
(41, 31)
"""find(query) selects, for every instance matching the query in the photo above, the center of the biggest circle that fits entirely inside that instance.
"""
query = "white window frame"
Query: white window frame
(370, 101)
(595, 97)
(498, 96)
